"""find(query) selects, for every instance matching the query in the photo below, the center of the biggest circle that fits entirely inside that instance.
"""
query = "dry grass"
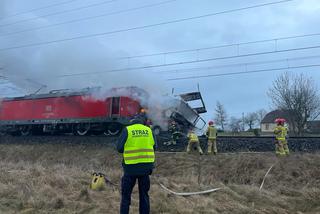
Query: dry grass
(55, 179)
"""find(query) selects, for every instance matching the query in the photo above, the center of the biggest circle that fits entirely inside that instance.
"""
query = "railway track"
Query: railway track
(225, 144)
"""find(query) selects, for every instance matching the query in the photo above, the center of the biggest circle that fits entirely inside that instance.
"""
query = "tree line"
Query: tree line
(296, 94)
(248, 121)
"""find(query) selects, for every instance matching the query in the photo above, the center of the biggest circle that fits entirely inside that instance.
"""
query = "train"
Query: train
(90, 110)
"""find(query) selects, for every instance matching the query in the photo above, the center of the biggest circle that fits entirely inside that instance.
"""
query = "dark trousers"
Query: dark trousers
(127, 184)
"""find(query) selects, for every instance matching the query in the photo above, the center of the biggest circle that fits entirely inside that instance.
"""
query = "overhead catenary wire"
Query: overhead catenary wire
(191, 61)
(239, 73)
(36, 9)
(142, 26)
(277, 39)
(243, 72)
(215, 67)
(210, 67)
(59, 12)
(90, 17)
(185, 70)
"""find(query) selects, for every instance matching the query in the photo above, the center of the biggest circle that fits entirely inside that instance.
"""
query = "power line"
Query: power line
(193, 61)
(277, 39)
(239, 64)
(243, 72)
(90, 17)
(39, 8)
(58, 13)
(235, 73)
(142, 27)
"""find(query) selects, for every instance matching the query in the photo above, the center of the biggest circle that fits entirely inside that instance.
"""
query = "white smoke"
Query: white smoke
(43, 68)
(160, 109)
(159, 106)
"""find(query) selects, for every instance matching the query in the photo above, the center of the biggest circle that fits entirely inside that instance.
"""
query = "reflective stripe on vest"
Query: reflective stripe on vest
(193, 137)
(139, 145)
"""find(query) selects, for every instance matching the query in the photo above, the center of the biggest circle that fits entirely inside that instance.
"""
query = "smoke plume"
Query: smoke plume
(56, 66)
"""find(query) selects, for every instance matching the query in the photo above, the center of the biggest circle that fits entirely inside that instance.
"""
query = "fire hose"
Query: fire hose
(186, 193)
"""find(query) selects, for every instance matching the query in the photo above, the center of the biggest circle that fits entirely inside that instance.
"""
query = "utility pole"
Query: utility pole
(242, 121)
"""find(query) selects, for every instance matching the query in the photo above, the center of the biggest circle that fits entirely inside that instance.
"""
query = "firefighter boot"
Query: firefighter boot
(215, 151)
(199, 148)
(189, 147)
(285, 147)
(209, 146)
(279, 149)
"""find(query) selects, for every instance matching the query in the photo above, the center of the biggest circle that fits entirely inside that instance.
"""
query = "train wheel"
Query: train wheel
(82, 129)
(113, 132)
(25, 130)
(114, 129)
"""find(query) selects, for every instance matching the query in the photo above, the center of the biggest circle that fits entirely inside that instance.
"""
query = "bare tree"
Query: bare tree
(235, 124)
(298, 95)
(250, 120)
(220, 115)
(260, 115)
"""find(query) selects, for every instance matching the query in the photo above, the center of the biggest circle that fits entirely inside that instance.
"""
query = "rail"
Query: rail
(224, 144)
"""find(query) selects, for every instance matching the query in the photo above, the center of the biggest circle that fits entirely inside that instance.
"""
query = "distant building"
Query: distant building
(267, 124)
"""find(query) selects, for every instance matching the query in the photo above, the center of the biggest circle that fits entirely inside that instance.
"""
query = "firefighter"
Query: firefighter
(281, 134)
(175, 133)
(211, 134)
(286, 134)
(193, 140)
(137, 144)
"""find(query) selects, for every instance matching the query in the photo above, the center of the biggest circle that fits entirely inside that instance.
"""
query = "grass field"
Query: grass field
(48, 178)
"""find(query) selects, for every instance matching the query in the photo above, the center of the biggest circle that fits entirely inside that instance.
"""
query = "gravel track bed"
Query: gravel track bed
(225, 144)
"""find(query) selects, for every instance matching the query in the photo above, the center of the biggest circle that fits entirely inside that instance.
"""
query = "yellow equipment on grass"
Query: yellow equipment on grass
(98, 181)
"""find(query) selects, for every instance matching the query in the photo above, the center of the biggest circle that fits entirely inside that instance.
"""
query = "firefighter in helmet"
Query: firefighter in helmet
(193, 141)
(211, 134)
(175, 133)
(281, 135)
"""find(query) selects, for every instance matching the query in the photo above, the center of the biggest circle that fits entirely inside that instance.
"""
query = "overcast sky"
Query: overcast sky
(29, 67)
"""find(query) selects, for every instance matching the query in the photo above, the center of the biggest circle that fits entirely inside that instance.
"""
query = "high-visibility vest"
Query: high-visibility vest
(280, 132)
(139, 145)
(193, 137)
(212, 132)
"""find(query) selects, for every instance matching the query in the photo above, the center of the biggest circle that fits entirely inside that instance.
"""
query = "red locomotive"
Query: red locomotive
(79, 112)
